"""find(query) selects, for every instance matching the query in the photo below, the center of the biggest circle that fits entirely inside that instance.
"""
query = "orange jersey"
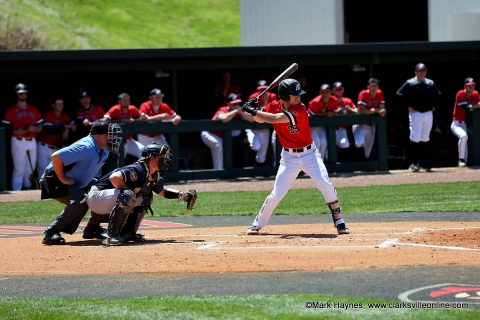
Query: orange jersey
(365, 99)
(462, 101)
(17, 118)
(51, 120)
(296, 132)
(317, 105)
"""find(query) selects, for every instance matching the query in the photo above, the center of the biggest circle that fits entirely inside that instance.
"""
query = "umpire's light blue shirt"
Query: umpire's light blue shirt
(86, 159)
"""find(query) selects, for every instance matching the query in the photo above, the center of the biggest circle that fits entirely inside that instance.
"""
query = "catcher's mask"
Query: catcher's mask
(113, 132)
(163, 153)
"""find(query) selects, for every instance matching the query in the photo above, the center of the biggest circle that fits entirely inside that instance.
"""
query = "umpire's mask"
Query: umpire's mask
(163, 153)
(114, 138)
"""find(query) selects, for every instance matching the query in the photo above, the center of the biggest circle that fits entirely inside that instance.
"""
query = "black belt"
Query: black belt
(297, 150)
(26, 139)
(48, 146)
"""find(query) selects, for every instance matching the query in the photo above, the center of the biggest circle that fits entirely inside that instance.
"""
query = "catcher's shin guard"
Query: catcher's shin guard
(129, 230)
(118, 217)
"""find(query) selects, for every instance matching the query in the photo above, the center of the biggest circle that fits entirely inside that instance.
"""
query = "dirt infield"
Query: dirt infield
(290, 247)
(229, 249)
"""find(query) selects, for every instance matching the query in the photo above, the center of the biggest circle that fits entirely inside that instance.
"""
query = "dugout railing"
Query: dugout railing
(379, 161)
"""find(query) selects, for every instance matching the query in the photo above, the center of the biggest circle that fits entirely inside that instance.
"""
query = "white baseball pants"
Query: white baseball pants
(291, 164)
(364, 136)
(103, 201)
(258, 140)
(133, 147)
(44, 153)
(459, 129)
(342, 138)
(22, 167)
(319, 136)
(146, 140)
(215, 143)
(420, 125)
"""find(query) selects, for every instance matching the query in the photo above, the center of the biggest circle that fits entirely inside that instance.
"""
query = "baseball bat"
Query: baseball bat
(284, 75)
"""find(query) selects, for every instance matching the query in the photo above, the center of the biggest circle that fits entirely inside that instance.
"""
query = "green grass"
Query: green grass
(440, 197)
(217, 307)
(90, 24)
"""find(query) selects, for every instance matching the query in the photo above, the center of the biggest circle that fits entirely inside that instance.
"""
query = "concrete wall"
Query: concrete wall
(287, 22)
(454, 20)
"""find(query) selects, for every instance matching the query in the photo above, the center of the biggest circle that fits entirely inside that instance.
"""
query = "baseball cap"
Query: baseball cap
(262, 85)
(155, 91)
(84, 93)
(469, 82)
(325, 86)
(420, 66)
(234, 98)
(21, 88)
(99, 127)
(337, 84)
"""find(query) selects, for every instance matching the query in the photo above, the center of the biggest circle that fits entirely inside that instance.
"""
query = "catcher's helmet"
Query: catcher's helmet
(289, 87)
(21, 88)
(161, 150)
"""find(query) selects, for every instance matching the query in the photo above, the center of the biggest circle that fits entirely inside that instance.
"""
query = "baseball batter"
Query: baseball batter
(420, 95)
(291, 123)
(466, 99)
(25, 121)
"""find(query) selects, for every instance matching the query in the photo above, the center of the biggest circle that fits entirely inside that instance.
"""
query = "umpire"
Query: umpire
(69, 175)
(420, 95)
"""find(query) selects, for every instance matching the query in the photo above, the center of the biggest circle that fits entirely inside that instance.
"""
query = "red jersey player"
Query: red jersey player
(86, 115)
(25, 122)
(466, 99)
(370, 101)
(323, 105)
(290, 120)
(56, 128)
(157, 110)
(124, 112)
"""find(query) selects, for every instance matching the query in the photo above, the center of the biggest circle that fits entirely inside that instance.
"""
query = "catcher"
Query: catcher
(124, 195)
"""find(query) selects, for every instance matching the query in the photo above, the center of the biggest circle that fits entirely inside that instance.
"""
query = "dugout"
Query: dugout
(188, 77)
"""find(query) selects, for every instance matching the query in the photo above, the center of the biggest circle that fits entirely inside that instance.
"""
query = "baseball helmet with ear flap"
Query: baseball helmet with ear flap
(161, 150)
(289, 87)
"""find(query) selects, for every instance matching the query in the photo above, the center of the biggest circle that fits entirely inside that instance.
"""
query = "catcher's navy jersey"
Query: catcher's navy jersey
(135, 177)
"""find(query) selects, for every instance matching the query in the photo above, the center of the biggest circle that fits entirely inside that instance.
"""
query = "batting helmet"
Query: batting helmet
(289, 87)
(21, 88)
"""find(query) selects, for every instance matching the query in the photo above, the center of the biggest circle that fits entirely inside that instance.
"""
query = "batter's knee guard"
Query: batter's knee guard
(118, 217)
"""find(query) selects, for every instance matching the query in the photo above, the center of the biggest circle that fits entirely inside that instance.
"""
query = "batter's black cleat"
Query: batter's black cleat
(342, 229)
(133, 237)
(94, 232)
(113, 241)
(53, 238)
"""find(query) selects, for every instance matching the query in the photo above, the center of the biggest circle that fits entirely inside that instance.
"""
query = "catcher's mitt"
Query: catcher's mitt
(189, 197)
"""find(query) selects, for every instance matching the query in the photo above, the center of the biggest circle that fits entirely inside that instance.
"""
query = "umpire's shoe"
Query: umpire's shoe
(52, 237)
(342, 229)
(94, 231)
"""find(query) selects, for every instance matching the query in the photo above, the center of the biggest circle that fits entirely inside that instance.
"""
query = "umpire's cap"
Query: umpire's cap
(99, 127)
(289, 87)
